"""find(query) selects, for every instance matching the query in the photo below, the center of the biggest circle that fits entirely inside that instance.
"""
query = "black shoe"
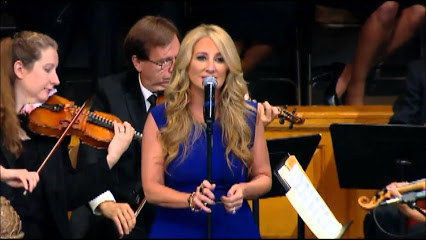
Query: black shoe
(331, 74)
(332, 100)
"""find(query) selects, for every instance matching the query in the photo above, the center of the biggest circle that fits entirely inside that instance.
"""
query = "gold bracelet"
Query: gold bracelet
(190, 203)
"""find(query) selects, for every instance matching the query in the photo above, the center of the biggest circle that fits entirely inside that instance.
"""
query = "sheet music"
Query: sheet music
(307, 202)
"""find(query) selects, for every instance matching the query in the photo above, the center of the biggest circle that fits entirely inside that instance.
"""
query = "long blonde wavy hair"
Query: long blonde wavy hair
(232, 108)
(26, 47)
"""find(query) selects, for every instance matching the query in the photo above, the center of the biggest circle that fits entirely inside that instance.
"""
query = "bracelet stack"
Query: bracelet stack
(191, 204)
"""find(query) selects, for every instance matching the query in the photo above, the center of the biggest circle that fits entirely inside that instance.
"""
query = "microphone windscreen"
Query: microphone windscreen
(209, 80)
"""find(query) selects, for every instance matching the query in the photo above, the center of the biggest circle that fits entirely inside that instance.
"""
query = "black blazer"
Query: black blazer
(410, 107)
(120, 95)
(61, 188)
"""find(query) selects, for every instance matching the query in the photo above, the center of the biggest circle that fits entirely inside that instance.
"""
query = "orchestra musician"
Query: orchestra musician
(28, 77)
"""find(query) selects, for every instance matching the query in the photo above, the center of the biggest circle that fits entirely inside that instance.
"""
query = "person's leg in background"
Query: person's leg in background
(382, 33)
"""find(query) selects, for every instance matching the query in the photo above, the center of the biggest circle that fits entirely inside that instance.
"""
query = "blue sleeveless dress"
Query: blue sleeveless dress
(186, 175)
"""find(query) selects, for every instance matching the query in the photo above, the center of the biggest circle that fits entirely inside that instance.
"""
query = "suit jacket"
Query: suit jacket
(410, 107)
(120, 95)
(60, 188)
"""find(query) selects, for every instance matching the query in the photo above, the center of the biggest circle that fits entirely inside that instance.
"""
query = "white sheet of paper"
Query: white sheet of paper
(308, 203)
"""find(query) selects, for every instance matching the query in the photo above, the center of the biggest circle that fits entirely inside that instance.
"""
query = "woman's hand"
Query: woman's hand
(18, 178)
(392, 188)
(123, 136)
(204, 196)
(234, 198)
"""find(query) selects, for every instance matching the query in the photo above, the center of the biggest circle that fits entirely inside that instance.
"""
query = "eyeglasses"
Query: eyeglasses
(164, 65)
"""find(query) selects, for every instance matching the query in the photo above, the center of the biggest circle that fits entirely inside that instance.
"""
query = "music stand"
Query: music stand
(303, 147)
(370, 156)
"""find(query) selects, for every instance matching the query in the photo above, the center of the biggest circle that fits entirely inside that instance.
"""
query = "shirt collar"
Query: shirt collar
(145, 92)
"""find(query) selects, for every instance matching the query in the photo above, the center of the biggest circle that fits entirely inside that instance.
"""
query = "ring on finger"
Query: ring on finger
(233, 211)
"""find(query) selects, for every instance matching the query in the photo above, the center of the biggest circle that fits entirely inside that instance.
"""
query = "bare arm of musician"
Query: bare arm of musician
(404, 208)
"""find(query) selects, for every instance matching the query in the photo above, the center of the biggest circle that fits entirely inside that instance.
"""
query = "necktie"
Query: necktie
(152, 100)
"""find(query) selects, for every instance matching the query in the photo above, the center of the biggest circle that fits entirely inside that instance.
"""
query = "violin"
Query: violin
(292, 117)
(93, 128)
(384, 194)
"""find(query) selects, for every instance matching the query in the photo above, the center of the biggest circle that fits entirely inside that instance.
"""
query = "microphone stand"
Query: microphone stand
(209, 132)
(209, 84)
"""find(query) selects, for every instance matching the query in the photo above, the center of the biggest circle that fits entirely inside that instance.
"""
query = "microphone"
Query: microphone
(405, 198)
(209, 84)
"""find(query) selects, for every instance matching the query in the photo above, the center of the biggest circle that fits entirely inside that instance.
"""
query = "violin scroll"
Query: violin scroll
(292, 118)
(368, 204)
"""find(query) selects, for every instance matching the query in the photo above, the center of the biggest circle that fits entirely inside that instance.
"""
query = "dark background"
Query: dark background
(90, 36)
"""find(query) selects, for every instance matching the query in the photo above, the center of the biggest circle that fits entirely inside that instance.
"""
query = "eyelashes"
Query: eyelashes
(220, 59)
(48, 68)
(216, 59)
(200, 58)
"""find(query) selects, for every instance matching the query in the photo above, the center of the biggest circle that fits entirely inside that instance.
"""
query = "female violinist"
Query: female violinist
(28, 75)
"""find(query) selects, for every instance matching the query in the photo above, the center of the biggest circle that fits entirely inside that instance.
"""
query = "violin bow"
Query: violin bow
(140, 207)
(60, 140)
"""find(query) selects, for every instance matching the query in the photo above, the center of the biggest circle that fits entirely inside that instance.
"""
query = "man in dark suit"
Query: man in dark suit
(151, 46)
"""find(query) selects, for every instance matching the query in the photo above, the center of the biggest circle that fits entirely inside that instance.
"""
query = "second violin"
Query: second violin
(93, 128)
(368, 204)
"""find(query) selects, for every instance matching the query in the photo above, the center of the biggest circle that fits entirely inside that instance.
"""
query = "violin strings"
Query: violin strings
(101, 121)
(93, 117)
